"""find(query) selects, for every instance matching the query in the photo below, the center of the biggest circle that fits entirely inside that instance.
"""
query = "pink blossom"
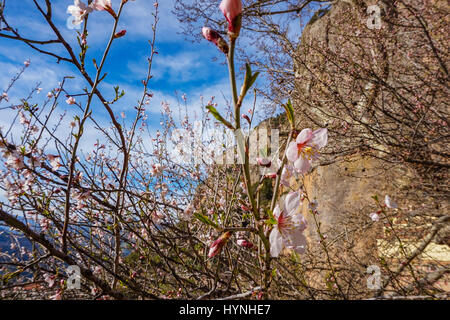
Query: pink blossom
(71, 101)
(374, 216)
(188, 211)
(97, 271)
(305, 149)
(15, 160)
(157, 216)
(313, 205)
(103, 5)
(288, 232)
(79, 10)
(232, 10)
(23, 119)
(54, 163)
(27, 63)
(49, 279)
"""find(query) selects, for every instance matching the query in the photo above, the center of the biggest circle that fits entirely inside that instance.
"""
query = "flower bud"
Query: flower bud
(217, 245)
(120, 34)
(232, 10)
(244, 243)
(215, 38)
(264, 162)
(246, 117)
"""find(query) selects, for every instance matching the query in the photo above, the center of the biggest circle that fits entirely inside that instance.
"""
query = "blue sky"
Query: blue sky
(181, 67)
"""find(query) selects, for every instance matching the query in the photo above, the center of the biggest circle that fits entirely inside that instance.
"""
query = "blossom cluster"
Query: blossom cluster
(79, 10)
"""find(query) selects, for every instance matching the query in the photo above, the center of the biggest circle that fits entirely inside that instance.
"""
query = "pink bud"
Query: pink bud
(216, 38)
(120, 34)
(232, 10)
(264, 162)
(244, 116)
(217, 245)
(244, 243)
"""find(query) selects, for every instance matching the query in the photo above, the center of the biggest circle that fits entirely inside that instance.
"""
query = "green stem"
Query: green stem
(246, 167)
(234, 92)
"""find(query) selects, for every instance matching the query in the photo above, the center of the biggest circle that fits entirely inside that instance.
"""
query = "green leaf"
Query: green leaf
(205, 220)
(271, 221)
(290, 113)
(217, 115)
(270, 214)
(249, 80)
(274, 272)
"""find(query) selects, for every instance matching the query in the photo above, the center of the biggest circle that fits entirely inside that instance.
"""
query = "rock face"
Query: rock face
(344, 192)
(350, 81)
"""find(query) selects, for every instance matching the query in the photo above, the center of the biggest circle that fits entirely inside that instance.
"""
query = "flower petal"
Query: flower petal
(389, 203)
(292, 202)
(302, 165)
(276, 212)
(296, 240)
(320, 138)
(292, 152)
(276, 242)
(304, 136)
